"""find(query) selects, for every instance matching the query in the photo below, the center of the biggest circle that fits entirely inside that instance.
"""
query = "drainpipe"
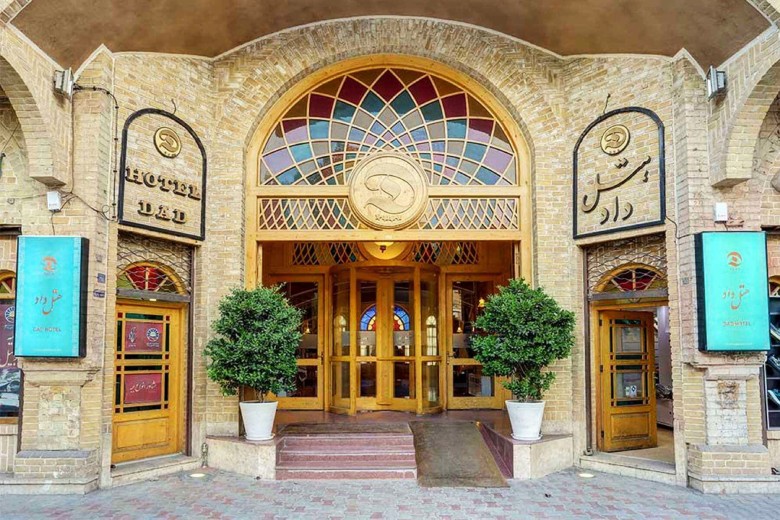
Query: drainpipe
(586, 344)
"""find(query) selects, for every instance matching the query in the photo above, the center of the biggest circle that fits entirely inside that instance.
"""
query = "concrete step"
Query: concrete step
(347, 441)
(283, 473)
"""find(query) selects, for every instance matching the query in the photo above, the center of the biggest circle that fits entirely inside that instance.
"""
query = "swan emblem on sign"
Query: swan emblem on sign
(394, 194)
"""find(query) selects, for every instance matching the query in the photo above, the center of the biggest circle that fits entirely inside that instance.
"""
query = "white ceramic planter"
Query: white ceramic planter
(526, 419)
(258, 419)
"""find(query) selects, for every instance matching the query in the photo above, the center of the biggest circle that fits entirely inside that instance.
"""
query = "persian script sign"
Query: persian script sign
(162, 186)
(619, 173)
(388, 191)
(143, 388)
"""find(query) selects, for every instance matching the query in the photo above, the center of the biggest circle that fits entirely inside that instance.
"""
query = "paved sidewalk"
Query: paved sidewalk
(224, 495)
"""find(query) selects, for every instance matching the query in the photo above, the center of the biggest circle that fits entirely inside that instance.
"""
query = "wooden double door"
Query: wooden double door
(148, 414)
(626, 389)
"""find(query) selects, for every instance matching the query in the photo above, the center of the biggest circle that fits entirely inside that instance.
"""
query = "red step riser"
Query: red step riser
(283, 474)
(346, 444)
(404, 459)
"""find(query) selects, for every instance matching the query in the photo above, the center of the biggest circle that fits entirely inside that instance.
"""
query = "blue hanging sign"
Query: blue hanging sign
(732, 291)
(51, 296)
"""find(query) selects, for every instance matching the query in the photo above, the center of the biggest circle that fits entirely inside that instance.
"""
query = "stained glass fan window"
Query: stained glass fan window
(455, 137)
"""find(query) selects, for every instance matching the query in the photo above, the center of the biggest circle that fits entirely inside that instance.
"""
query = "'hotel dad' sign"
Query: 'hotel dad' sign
(51, 296)
(162, 182)
(732, 291)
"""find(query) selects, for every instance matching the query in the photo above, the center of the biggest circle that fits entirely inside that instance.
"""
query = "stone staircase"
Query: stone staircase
(348, 455)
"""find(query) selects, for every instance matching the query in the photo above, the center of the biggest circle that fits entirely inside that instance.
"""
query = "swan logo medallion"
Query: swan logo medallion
(388, 191)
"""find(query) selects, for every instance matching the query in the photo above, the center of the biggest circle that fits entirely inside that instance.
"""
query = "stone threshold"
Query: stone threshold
(148, 469)
(627, 466)
(14, 485)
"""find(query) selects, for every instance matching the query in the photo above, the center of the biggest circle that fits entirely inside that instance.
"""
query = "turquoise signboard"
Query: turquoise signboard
(732, 291)
(51, 284)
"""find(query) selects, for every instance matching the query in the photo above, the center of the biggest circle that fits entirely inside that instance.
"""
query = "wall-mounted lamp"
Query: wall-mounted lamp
(716, 82)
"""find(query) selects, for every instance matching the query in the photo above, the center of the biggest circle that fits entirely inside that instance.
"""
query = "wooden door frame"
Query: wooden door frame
(177, 392)
(595, 309)
(308, 403)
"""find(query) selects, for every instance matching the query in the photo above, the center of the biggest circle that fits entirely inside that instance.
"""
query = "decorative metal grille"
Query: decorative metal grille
(335, 253)
(135, 249)
(455, 137)
(325, 253)
(446, 253)
(633, 253)
(335, 214)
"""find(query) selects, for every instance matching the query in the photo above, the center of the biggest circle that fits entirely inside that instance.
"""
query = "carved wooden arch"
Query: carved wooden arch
(150, 277)
(34, 128)
(652, 285)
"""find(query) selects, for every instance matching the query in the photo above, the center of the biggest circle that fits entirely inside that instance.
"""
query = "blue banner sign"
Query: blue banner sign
(51, 297)
(732, 291)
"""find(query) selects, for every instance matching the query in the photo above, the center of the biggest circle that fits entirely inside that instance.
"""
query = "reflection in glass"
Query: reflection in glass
(468, 381)
(630, 339)
(403, 330)
(468, 301)
(367, 383)
(305, 296)
(403, 380)
(305, 383)
(629, 385)
(431, 383)
(341, 317)
(429, 309)
(340, 380)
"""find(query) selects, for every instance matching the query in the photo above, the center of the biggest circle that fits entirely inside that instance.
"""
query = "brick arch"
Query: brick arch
(743, 132)
(34, 129)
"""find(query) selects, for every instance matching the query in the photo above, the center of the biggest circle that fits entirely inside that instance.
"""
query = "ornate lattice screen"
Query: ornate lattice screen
(460, 169)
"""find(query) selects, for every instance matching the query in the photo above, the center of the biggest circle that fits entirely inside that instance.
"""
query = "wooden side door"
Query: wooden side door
(626, 383)
(148, 415)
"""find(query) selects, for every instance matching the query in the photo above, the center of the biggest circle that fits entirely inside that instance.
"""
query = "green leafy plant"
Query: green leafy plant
(258, 332)
(525, 331)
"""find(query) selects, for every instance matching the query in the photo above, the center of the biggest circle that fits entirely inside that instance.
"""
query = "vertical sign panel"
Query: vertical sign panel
(51, 296)
(10, 376)
(733, 297)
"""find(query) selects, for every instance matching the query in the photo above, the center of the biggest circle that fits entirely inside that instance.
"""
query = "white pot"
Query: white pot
(258, 419)
(526, 419)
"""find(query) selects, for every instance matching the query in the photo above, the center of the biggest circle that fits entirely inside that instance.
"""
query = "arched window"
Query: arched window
(150, 277)
(455, 137)
(400, 319)
(774, 286)
(631, 279)
(10, 375)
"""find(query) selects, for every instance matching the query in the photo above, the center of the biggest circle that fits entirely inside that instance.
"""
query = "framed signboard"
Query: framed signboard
(51, 296)
(732, 291)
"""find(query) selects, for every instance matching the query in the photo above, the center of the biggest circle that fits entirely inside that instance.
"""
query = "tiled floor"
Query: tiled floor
(223, 495)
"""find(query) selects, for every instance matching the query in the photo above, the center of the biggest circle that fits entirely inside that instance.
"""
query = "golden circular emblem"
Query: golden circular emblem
(615, 139)
(388, 190)
(167, 142)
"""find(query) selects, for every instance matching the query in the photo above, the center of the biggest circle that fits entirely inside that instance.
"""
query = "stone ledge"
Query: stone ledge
(236, 454)
(53, 454)
(527, 460)
(149, 469)
(734, 484)
(14, 485)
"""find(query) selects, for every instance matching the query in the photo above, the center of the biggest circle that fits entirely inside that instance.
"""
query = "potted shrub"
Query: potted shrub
(525, 330)
(258, 332)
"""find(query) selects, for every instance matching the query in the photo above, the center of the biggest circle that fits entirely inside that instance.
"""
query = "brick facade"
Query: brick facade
(710, 156)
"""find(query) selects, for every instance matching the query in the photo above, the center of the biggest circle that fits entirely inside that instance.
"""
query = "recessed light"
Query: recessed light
(585, 475)
(197, 475)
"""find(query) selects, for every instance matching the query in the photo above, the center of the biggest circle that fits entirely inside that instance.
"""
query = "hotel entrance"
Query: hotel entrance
(389, 334)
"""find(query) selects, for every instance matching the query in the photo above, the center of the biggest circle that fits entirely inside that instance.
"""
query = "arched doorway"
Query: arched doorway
(396, 188)
(149, 362)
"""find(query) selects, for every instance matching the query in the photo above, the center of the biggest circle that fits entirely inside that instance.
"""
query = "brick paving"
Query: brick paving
(223, 496)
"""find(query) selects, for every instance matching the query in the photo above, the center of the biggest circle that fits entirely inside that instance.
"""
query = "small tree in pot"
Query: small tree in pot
(525, 331)
(258, 332)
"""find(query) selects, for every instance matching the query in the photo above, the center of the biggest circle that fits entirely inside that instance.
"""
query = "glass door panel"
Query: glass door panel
(340, 342)
(469, 387)
(304, 293)
(368, 323)
(430, 353)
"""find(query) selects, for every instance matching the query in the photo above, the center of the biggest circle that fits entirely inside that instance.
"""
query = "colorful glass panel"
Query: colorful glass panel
(455, 137)
(400, 319)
